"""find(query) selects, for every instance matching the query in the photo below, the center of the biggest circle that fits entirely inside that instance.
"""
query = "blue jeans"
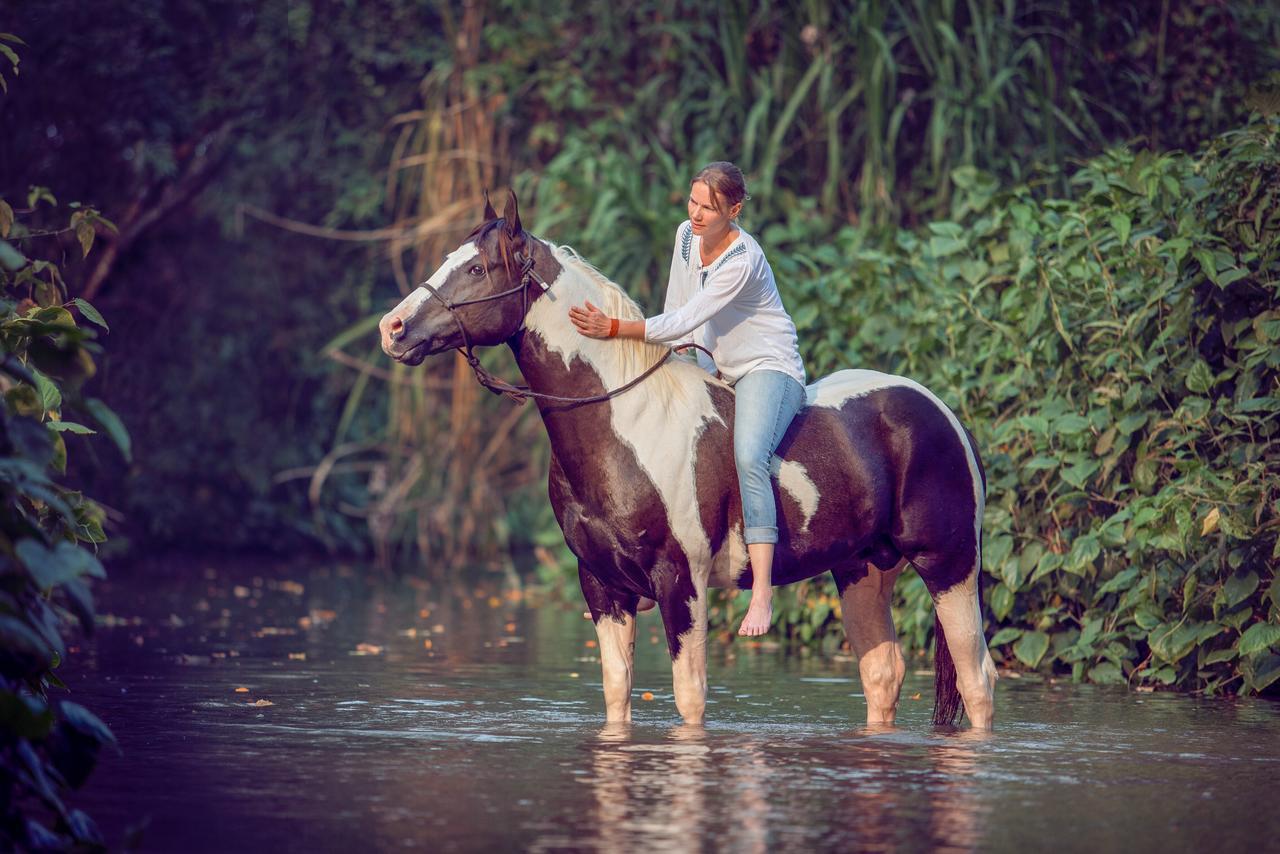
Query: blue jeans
(765, 404)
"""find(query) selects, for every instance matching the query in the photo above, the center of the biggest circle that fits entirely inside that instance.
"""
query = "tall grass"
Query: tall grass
(846, 113)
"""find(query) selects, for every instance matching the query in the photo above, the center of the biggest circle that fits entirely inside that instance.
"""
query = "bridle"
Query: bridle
(520, 394)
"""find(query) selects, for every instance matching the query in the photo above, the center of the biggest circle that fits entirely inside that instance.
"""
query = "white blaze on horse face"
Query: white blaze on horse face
(409, 307)
(794, 478)
(664, 436)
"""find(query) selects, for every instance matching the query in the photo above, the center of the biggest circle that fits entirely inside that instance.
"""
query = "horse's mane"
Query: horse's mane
(671, 383)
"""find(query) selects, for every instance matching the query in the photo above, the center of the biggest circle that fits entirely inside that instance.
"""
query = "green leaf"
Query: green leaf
(1031, 648)
(10, 258)
(1084, 551)
(90, 313)
(1200, 377)
(112, 424)
(1106, 673)
(1001, 601)
(1071, 423)
(85, 233)
(1008, 633)
(22, 651)
(1239, 588)
(1259, 636)
(940, 247)
(1219, 656)
(50, 397)
(70, 427)
(53, 567)
(1172, 643)
(1262, 672)
(1121, 223)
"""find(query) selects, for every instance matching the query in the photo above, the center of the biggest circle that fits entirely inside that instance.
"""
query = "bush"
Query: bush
(47, 532)
(1116, 356)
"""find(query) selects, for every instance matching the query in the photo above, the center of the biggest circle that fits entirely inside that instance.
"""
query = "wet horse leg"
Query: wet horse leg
(683, 603)
(959, 613)
(865, 598)
(614, 615)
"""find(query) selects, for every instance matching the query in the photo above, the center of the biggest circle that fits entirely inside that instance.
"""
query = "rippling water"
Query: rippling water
(287, 708)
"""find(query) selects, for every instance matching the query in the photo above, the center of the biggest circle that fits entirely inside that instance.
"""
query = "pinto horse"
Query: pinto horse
(874, 474)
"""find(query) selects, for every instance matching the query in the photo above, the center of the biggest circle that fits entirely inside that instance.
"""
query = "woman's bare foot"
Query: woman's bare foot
(759, 615)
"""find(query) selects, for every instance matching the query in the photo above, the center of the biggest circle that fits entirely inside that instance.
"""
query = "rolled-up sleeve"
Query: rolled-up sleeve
(677, 324)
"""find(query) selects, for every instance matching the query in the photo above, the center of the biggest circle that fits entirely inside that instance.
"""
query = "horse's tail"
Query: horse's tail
(946, 695)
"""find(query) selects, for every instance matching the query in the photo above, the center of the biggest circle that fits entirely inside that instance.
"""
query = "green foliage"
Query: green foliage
(1116, 357)
(48, 532)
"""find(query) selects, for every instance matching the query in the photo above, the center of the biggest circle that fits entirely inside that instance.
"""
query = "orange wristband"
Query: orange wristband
(613, 327)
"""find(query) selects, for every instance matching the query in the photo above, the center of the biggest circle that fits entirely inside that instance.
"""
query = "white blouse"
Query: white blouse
(731, 307)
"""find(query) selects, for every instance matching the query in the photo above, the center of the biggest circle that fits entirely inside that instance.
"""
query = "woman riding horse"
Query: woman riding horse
(721, 295)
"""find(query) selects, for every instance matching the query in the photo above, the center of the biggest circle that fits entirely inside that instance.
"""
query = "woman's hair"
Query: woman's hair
(726, 183)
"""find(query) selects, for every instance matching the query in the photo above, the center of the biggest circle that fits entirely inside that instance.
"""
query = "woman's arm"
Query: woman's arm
(594, 323)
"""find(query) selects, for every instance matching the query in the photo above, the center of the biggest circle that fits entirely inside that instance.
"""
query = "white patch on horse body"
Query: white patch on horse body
(794, 478)
(834, 390)
(412, 304)
(663, 424)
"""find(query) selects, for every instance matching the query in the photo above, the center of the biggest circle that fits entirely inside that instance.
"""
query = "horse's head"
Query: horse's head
(481, 288)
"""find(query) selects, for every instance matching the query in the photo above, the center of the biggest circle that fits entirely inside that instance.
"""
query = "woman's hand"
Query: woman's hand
(591, 321)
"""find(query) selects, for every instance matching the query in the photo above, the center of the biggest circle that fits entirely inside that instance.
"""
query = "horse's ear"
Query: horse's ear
(512, 214)
(489, 212)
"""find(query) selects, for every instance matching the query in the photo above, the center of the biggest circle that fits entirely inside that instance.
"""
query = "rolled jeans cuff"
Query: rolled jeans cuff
(760, 535)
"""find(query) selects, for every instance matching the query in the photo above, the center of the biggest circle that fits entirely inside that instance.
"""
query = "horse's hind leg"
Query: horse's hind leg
(615, 619)
(865, 596)
(959, 617)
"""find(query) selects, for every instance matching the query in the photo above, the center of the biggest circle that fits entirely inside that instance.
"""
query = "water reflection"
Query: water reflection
(402, 717)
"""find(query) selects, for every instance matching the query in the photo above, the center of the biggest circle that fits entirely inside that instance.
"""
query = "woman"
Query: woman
(721, 294)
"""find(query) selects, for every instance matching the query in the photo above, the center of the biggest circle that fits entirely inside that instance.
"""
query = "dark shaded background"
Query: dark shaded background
(170, 116)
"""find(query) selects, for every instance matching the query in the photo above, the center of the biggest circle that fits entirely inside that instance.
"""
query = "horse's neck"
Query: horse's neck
(660, 416)
(553, 355)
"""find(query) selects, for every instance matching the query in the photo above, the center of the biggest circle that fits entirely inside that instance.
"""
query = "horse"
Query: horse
(874, 474)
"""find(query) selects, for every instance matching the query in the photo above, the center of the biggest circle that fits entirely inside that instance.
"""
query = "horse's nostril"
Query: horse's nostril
(397, 327)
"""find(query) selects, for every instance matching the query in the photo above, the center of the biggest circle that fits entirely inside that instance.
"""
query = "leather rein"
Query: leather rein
(520, 394)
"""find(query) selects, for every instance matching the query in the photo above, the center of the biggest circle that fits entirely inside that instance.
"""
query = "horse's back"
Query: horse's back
(871, 445)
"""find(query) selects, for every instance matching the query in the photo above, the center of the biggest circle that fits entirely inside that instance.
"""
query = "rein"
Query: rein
(522, 393)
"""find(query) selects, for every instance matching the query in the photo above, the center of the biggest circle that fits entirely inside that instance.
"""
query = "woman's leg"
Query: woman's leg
(766, 401)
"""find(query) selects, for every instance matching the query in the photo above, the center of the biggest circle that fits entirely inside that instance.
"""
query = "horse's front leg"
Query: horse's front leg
(614, 614)
(683, 602)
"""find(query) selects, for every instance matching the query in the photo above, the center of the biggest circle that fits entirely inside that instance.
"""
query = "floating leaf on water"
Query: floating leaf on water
(261, 703)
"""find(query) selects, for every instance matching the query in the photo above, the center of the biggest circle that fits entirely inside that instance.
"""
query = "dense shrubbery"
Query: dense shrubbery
(1116, 356)
(48, 533)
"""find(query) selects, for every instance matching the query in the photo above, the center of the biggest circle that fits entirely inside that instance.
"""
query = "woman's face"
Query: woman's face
(703, 215)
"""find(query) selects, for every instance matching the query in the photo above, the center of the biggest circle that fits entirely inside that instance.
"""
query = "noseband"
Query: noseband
(522, 393)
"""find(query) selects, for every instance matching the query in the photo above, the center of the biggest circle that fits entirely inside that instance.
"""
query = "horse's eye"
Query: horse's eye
(476, 270)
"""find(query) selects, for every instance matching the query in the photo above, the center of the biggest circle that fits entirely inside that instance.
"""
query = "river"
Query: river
(320, 707)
